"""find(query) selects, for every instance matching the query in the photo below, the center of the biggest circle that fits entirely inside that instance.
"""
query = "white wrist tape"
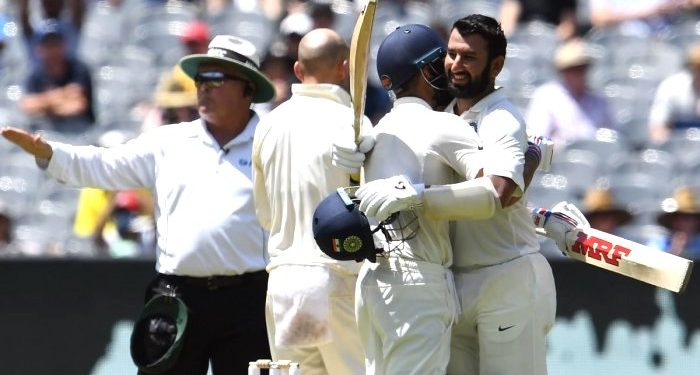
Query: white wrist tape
(470, 200)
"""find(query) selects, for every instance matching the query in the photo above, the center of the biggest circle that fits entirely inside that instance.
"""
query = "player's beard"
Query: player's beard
(473, 89)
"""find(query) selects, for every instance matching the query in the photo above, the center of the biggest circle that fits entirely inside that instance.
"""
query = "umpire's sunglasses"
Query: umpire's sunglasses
(215, 79)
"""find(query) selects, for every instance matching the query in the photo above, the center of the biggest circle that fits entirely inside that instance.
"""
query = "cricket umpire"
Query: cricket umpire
(211, 252)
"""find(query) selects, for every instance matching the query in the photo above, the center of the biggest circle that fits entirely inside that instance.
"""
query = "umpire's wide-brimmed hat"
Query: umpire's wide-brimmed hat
(600, 202)
(682, 203)
(156, 340)
(237, 53)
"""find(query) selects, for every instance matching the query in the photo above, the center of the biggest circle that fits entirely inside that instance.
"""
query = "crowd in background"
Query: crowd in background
(616, 84)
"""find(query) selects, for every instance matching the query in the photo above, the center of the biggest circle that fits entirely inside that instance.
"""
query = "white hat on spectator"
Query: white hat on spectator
(572, 54)
(298, 23)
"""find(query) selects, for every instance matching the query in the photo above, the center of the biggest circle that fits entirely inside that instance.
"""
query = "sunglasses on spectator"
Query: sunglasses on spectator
(215, 79)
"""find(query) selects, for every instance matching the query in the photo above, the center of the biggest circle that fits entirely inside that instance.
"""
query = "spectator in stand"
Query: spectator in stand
(195, 38)
(566, 109)
(602, 212)
(6, 230)
(59, 89)
(56, 10)
(560, 13)
(681, 215)
(131, 213)
(641, 18)
(175, 101)
(677, 101)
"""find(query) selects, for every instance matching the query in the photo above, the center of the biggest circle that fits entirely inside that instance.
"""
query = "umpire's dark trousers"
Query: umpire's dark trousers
(226, 323)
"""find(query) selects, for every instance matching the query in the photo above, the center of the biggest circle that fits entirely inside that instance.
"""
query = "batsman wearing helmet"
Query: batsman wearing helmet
(406, 302)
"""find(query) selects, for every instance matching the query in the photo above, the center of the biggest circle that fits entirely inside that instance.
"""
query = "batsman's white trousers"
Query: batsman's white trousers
(405, 311)
(507, 311)
(343, 355)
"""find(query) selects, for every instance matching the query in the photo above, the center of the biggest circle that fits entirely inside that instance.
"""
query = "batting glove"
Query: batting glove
(383, 197)
(563, 218)
(348, 156)
(546, 147)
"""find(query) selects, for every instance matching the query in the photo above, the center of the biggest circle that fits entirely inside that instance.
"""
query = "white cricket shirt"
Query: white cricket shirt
(510, 233)
(675, 99)
(205, 217)
(428, 147)
(293, 171)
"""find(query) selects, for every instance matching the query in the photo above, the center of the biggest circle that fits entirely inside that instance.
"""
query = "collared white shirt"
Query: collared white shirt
(292, 169)
(205, 216)
(429, 147)
(675, 99)
(554, 113)
(510, 233)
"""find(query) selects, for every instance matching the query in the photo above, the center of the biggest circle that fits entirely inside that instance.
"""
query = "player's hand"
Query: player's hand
(546, 147)
(383, 197)
(349, 157)
(557, 222)
(31, 143)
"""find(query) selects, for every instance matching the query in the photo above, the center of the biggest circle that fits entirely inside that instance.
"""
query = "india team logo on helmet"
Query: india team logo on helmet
(343, 232)
(405, 51)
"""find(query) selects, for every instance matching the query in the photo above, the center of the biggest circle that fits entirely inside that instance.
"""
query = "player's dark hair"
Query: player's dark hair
(488, 28)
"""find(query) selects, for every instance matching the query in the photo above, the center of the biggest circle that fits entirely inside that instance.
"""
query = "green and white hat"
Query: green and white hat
(158, 334)
(237, 53)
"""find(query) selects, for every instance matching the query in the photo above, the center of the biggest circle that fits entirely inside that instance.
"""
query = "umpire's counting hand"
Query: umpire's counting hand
(31, 143)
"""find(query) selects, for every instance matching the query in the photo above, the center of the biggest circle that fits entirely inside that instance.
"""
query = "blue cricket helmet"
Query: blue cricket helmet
(342, 231)
(405, 51)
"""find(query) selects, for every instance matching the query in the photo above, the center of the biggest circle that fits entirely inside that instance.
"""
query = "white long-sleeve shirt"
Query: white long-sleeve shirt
(429, 147)
(510, 233)
(204, 210)
(292, 170)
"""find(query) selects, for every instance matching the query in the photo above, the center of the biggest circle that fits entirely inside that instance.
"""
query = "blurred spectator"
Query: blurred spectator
(278, 64)
(131, 212)
(322, 14)
(677, 101)
(561, 14)
(293, 27)
(195, 38)
(640, 18)
(602, 212)
(681, 215)
(566, 109)
(69, 22)
(6, 230)
(59, 89)
(276, 67)
(175, 101)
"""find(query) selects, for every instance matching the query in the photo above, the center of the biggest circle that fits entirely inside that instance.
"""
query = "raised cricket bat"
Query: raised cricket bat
(629, 258)
(359, 55)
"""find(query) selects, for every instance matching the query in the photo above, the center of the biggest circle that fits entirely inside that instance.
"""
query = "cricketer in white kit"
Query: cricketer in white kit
(406, 303)
(505, 285)
(310, 297)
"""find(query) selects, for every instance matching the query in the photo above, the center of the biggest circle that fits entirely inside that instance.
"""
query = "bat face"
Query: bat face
(359, 53)
(629, 258)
